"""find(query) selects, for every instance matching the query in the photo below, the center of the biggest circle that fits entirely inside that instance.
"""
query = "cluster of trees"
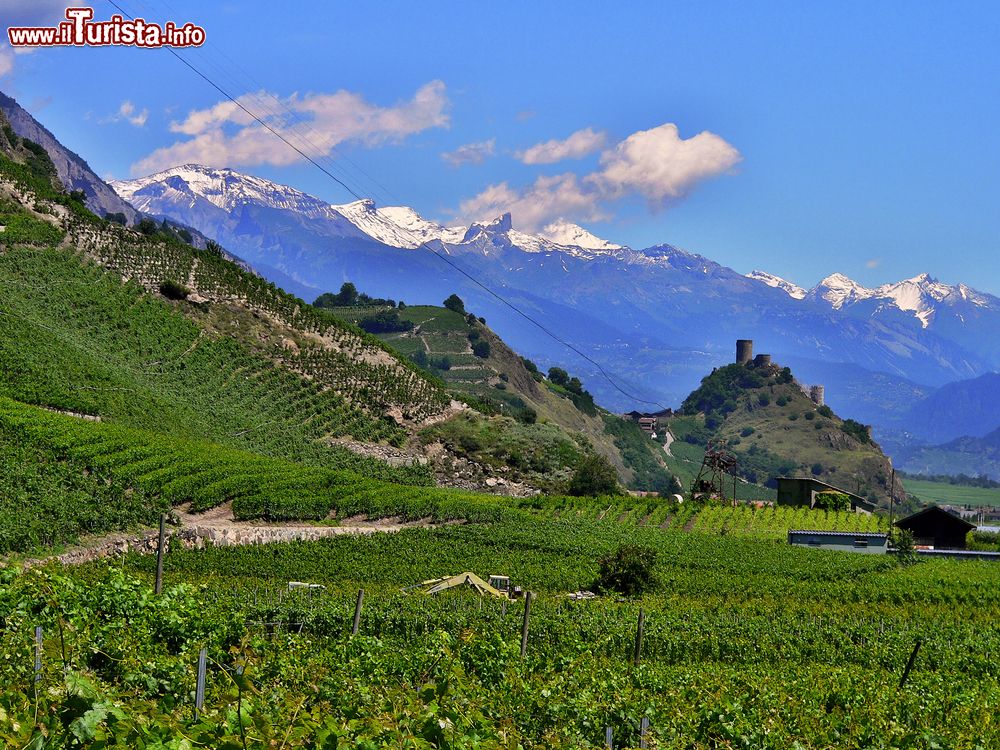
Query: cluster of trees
(861, 433)
(572, 386)
(349, 296)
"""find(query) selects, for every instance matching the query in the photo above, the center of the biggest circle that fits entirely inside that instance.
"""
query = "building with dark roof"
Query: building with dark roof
(799, 491)
(936, 528)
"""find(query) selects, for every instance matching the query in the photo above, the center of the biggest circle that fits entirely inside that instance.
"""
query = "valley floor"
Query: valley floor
(747, 643)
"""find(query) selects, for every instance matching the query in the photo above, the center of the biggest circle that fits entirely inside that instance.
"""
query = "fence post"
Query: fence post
(607, 738)
(199, 693)
(909, 664)
(159, 555)
(38, 654)
(528, 596)
(643, 730)
(637, 654)
(357, 612)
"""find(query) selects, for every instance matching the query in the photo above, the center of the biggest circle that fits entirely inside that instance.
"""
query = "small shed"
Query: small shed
(845, 541)
(799, 491)
(936, 528)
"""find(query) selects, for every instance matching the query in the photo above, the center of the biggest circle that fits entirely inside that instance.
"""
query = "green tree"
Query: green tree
(629, 570)
(481, 349)
(454, 303)
(594, 475)
(558, 376)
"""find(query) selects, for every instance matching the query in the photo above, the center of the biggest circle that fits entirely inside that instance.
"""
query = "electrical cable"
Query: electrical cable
(422, 244)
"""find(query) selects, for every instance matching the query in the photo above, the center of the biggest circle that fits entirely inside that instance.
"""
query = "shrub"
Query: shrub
(481, 349)
(782, 401)
(594, 475)
(826, 411)
(747, 432)
(856, 430)
(817, 469)
(629, 570)
(763, 399)
(832, 501)
(173, 290)
(810, 415)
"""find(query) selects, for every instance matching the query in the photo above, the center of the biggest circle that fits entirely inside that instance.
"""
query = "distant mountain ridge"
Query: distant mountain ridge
(657, 316)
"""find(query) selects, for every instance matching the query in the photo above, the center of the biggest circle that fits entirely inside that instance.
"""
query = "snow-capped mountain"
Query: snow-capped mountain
(923, 297)
(566, 233)
(792, 290)
(659, 314)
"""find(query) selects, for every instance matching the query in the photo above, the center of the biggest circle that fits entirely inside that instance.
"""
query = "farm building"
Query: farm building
(936, 528)
(845, 541)
(803, 491)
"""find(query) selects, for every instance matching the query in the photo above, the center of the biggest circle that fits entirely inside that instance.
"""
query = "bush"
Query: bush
(826, 411)
(481, 349)
(763, 399)
(858, 431)
(747, 432)
(148, 227)
(594, 475)
(832, 501)
(173, 290)
(817, 469)
(629, 570)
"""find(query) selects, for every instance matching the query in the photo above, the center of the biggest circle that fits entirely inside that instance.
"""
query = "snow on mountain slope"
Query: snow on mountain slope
(192, 187)
(792, 290)
(839, 291)
(224, 188)
(923, 296)
(566, 233)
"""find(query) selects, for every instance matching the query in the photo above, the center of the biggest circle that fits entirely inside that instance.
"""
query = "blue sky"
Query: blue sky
(836, 136)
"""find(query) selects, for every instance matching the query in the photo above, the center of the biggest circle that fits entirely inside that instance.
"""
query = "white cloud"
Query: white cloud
(471, 153)
(535, 206)
(656, 164)
(873, 263)
(127, 112)
(576, 146)
(661, 165)
(225, 135)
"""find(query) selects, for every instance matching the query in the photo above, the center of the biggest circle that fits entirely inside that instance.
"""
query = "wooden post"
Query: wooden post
(503, 608)
(199, 692)
(159, 555)
(528, 596)
(38, 654)
(637, 655)
(357, 612)
(643, 730)
(608, 738)
(909, 664)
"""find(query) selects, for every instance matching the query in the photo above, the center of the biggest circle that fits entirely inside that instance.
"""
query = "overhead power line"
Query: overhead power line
(421, 243)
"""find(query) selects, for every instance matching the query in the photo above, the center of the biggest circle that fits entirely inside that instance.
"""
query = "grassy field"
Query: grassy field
(951, 494)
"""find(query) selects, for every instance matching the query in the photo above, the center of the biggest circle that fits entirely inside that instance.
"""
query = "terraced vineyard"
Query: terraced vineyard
(775, 522)
(747, 643)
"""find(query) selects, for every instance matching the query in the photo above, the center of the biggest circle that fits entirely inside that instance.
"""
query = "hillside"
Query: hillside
(763, 416)
(972, 456)
(533, 420)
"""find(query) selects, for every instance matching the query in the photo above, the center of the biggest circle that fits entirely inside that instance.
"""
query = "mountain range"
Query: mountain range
(656, 316)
